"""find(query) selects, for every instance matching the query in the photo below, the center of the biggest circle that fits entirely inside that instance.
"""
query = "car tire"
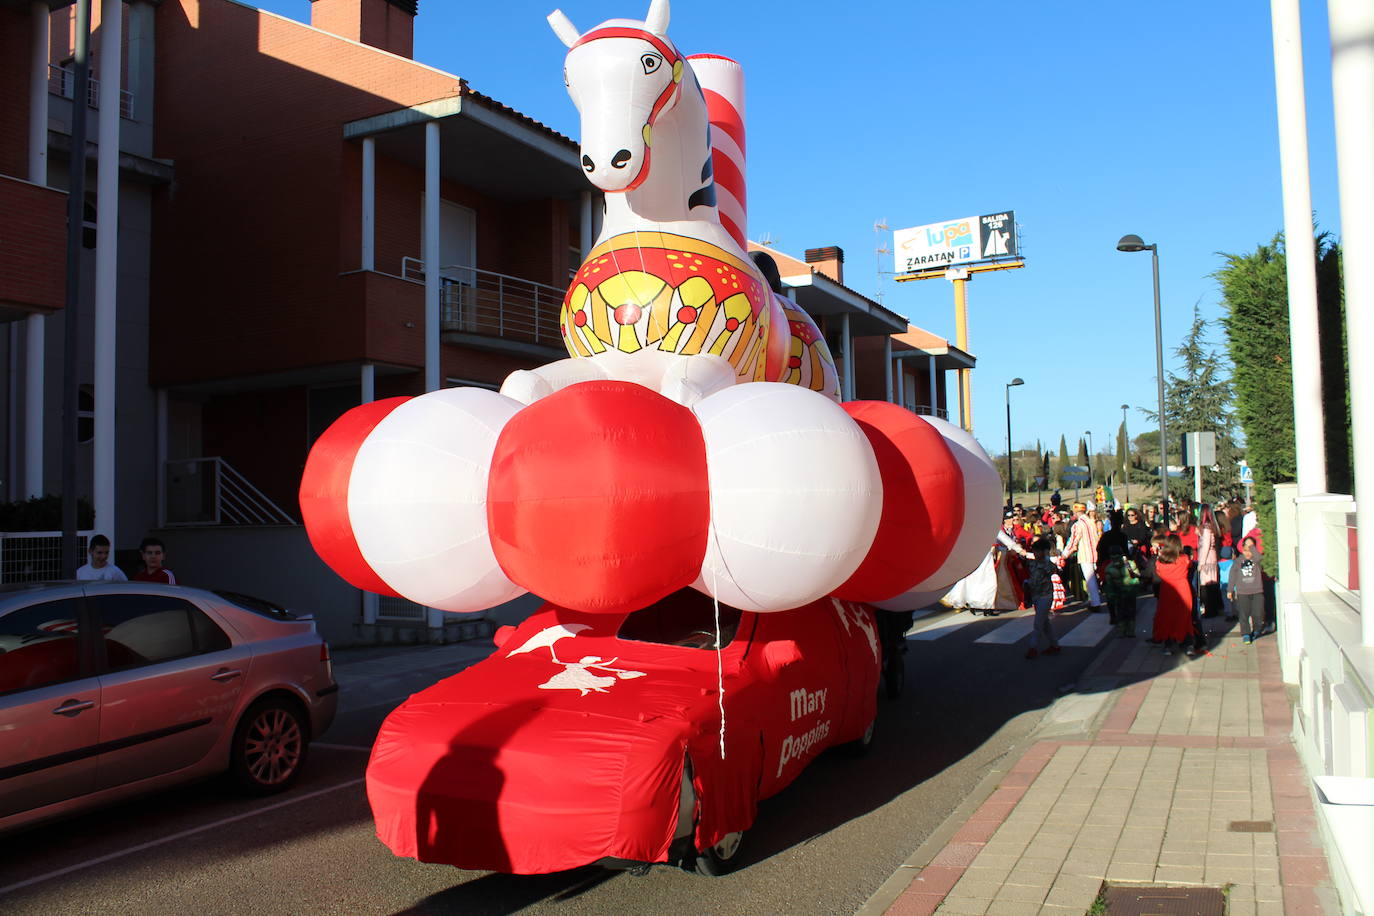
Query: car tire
(864, 743)
(722, 858)
(269, 748)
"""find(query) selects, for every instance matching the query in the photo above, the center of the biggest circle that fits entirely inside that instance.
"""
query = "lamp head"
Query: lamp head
(1125, 406)
(1015, 381)
(1131, 243)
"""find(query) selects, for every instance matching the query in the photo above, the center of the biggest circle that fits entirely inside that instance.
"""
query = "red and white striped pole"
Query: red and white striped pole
(722, 82)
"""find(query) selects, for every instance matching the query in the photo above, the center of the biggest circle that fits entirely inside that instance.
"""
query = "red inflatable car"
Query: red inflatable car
(597, 738)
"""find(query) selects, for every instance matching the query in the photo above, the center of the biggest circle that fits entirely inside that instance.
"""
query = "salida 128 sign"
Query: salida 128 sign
(956, 241)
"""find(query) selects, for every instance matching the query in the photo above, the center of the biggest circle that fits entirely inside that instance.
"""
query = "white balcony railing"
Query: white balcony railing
(208, 491)
(476, 301)
(62, 83)
(929, 411)
(1341, 555)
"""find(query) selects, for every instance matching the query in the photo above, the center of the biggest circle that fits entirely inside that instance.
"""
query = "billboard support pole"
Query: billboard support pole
(960, 280)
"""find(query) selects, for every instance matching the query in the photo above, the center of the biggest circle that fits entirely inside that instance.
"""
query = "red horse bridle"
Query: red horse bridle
(671, 57)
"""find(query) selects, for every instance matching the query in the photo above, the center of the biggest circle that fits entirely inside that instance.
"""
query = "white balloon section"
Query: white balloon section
(793, 500)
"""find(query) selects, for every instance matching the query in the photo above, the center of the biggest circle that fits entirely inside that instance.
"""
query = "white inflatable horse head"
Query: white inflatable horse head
(623, 76)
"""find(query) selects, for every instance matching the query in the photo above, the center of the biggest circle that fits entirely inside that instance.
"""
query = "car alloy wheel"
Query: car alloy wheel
(721, 858)
(269, 747)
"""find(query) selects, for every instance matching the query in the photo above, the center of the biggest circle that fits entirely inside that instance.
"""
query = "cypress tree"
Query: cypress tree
(1063, 461)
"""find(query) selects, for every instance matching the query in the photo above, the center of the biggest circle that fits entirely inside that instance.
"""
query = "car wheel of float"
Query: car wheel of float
(864, 743)
(723, 857)
(269, 747)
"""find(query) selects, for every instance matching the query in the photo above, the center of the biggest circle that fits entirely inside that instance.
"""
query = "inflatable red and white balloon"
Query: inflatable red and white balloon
(694, 434)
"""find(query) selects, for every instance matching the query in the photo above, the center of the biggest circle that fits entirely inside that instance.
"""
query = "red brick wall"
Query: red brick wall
(33, 239)
(869, 383)
(248, 241)
(14, 92)
(263, 435)
(373, 22)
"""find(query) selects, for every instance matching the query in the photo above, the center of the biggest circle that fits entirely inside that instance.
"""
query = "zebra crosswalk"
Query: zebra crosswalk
(1083, 630)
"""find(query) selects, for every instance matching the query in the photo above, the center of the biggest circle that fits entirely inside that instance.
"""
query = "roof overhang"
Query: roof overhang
(482, 144)
(945, 357)
(820, 295)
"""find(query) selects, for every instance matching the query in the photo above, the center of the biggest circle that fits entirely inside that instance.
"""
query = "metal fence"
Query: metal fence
(62, 83)
(34, 556)
(484, 302)
(393, 608)
(208, 491)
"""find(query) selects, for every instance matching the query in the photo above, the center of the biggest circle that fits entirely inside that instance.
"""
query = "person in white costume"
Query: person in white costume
(100, 569)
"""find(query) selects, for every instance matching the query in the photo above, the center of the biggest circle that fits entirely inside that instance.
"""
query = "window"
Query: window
(88, 218)
(38, 645)
(685, 618)
(144, 629)
(257, 605)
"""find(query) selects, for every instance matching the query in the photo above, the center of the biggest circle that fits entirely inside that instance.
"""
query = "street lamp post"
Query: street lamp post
(1089, 434)
(1135, 243)
(1009, 386)
(1126, 452)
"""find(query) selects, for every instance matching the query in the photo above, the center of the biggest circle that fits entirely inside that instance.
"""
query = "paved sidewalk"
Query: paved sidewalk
(1178, 772)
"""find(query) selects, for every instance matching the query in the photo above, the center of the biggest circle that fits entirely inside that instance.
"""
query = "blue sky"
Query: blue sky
(1090, 120)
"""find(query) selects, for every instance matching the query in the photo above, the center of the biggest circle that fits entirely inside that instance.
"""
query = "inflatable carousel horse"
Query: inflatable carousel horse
(693, 436)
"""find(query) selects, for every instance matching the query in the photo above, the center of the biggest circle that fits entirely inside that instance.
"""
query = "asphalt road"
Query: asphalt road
(822, 846)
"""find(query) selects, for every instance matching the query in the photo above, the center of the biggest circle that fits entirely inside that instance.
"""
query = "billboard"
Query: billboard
(956, 241)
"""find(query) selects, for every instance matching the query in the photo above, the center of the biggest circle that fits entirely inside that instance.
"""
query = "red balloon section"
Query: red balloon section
(923, 502)
(598, 497)
(324, 494)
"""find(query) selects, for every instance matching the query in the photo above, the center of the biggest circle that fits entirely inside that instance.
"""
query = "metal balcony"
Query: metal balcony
(62, 83)
(484, 302)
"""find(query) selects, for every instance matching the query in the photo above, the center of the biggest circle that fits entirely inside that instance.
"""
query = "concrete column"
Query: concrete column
(160, 477)
(847, 347)
(369, 205)
(368, 382)
(38, 94)
(431, 256)
(1308, 418)
(12, 440)
(934, 399)
(887, 366)
(35, 326)
(1352, 90)
(585, 224)
(107, 265)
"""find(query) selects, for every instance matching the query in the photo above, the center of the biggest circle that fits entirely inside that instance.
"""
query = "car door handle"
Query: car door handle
(72, 707)
(225, 674)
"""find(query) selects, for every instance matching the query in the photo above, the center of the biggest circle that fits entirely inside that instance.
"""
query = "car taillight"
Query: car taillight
(324, 651)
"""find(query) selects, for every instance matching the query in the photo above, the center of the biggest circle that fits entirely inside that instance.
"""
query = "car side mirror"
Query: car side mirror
(502, 634)
(780, 653)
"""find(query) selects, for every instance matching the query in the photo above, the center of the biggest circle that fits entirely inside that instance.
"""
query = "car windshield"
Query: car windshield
(257, 605)
(685, 618)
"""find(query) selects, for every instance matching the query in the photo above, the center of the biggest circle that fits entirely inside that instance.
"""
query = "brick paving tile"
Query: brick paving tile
(1013, 908)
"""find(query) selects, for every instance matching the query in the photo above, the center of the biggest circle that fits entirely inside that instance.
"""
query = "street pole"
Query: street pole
(1126, 452)
(1010, 498)
(1159, 369)
(76, 203)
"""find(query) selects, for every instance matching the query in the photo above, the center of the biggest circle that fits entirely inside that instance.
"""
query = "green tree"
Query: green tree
(1063, 462)
(1199, 399)
(1254, 290)
(1123, 453)
(1082, 452)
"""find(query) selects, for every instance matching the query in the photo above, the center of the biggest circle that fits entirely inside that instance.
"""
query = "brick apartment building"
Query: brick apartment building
(283, 189)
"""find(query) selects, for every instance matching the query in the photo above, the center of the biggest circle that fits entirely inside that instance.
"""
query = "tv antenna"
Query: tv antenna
(767, 241)
(879, 227)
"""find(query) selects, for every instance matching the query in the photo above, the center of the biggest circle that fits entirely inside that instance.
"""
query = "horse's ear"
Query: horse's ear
(563, 28)
(656, 21)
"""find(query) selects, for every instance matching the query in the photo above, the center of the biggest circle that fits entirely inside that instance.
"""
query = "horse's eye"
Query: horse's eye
(651, 62)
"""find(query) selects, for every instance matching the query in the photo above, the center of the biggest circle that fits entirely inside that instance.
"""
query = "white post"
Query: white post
(1352, 90)
(35, 325)
(933, 398)
(1308, 419)
(107, 263)
(847, 346)
(887, 365)
(431, 256)
(12, 440)
(369, 255)
(38, 94)
(368, 382)
(160, 477)
(585, 225)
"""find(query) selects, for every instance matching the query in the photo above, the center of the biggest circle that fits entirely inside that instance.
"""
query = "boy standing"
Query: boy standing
(1122, 586)
(153, 556)
(1040, 591)
(100, 569)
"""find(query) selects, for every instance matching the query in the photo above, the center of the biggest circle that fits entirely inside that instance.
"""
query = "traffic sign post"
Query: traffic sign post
(1076, 473)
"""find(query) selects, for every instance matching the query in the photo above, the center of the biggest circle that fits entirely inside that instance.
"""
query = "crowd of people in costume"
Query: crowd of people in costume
(1198, 560)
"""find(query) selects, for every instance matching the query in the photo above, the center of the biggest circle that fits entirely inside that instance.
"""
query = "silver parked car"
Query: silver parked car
(112, 689)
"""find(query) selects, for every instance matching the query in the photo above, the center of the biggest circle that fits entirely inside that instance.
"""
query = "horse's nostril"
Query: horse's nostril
(588, 164)
(620, 159)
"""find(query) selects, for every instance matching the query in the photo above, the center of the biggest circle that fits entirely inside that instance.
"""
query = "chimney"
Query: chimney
(829, 261)
(385, 24)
